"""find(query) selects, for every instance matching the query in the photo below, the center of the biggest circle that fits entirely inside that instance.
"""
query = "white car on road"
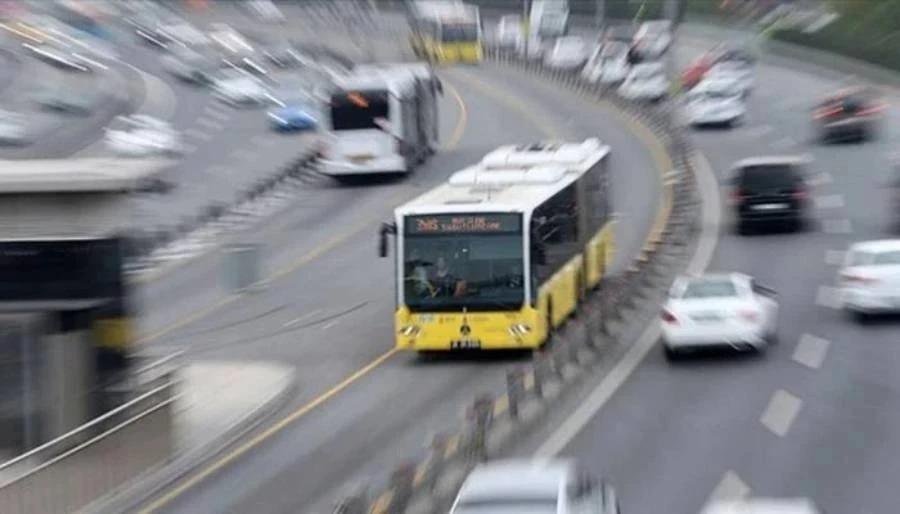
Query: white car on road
(237, 87)
(509, 31)
(567, 53)
(869, 280)
(653, 38)
(708, 104)
(646, 81)
(763, 506)
(738, 73)
(140, 135)
(534, 486)
(719, 310)
(608, 64)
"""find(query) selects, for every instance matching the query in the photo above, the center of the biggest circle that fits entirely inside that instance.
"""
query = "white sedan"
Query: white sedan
(719, 310)
(608, 64)
(707, 104)
(237, 87)
(763, 505)
(869, 280)
(738, 73)
(509, 31)
(645, 81)
(567, 53)
(140, 135)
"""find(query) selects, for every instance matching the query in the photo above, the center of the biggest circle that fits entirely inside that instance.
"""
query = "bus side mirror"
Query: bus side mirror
(386, 229)
(539, 254)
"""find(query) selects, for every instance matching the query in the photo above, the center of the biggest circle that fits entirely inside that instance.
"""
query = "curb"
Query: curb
(603, 324)
(138, 491)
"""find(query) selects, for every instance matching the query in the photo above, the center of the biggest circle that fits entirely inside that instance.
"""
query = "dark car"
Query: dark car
(770, 191)
(852, 113)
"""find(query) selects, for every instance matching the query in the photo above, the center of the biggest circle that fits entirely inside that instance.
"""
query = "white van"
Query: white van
(377, 124)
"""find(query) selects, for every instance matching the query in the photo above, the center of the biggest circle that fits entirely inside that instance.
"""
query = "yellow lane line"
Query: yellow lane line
(170, 495)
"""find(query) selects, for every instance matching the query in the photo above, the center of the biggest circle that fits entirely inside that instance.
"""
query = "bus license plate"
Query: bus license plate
(465, 344)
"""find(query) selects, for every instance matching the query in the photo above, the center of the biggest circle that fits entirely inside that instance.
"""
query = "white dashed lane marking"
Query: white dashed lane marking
(730, 487)
(828, 296)
(821, 179)
(837, 226)
(829, 202)
(210, 124)
(811, 351)
(834, 257)
(781, 412)
(197, 134)
(784, 143)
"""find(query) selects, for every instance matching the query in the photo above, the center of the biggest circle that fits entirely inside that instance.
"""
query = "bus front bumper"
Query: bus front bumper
(426, 344)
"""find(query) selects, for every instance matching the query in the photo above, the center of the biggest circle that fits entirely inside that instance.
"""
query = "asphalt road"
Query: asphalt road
(329, 311)
(818, 416)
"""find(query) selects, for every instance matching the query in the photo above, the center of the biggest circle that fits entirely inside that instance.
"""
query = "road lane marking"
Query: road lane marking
(216, 113)
(709, 236)
(781, 412)
(835, 257)
(329, 325)
(837, 226)
(245, 154)
(197, 134)
(757, 131)
(302, 317)
(230, 457)
(829, 202)
(210, 124)
(811, 351)
(784, 143)
(729, 488)
(821, 179)
(828, 296)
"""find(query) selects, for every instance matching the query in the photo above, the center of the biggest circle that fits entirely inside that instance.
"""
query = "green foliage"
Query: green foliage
(868, 30)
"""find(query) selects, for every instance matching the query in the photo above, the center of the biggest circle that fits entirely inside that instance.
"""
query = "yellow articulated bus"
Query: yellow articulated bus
(446, 31)
(503, 252)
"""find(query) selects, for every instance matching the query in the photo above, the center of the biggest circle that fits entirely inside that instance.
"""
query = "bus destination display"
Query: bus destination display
(463, 223)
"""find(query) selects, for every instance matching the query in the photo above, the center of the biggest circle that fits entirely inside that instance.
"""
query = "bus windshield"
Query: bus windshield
(451, 262)
(358, 110)
(459, 32)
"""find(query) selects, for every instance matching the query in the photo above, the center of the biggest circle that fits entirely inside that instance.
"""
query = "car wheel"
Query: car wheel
(861, 317)
(670, 353)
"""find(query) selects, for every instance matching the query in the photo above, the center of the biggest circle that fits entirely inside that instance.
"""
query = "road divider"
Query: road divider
(603, 325)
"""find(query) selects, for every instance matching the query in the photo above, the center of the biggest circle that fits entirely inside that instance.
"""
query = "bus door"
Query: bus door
(364, 125)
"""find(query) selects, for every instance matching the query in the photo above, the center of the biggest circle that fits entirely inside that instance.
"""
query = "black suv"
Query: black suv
(770, 190)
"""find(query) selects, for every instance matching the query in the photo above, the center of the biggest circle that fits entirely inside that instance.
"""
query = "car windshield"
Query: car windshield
(768, 177)
(709, 288)
(453, 262)
(890, 258)
(645, 73)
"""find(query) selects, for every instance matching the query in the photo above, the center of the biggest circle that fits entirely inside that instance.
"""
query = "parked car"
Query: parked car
(509, 31)
(608, 64)
(653, 39)
(567, 53)
(708, 104)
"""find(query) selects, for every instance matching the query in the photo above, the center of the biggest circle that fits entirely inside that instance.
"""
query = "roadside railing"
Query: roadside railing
(70, 471)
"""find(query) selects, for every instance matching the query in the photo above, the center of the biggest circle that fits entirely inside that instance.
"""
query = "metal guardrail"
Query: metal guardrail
(68, 472)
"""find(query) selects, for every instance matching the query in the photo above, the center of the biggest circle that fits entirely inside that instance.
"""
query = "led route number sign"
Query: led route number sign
(463, 223)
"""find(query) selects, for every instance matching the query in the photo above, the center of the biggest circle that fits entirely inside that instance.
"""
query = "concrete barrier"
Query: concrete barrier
(603, 324)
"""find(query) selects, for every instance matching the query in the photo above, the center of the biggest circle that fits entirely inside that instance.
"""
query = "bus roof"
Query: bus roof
(510, 179)
(449, 11)
(100, 175)
(392, 80)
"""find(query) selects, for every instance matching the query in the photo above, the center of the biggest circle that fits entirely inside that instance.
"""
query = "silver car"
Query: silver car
(534, 487)
(239, 88)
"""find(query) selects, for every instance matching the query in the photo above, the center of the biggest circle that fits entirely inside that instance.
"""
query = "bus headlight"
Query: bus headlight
(519, 329)
(409, 331)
